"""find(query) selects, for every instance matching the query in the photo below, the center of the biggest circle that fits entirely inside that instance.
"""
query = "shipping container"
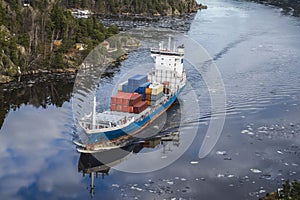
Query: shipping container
(157, 97)
(126, 99)
(148, 97)
(137, 80)
(136, 98)
(130, 109)
(156, 88)
(113, 107)
(125, 109)
(148, 102)
(140, 107)
(113, 100)
(119, 108)
(148, 91)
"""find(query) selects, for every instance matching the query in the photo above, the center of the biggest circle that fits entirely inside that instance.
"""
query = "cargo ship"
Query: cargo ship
(139, 101)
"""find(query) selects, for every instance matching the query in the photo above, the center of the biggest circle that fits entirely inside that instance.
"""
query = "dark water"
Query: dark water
(257, 51)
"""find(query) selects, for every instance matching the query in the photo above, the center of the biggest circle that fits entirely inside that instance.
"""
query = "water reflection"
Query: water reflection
(99, 164)
(38, 90)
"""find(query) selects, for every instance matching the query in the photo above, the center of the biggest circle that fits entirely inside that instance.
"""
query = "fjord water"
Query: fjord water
(257, 51)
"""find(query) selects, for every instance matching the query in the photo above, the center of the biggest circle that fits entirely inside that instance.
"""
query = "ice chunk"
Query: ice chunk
(280, 152)
(115, 185)
(220, 175)
(221, 153)
(256, 171)
(247, 132)
(262, 191)
(194, 162)
(170, 182)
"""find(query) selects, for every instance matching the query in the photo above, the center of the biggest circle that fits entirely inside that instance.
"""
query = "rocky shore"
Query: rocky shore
(179, 23)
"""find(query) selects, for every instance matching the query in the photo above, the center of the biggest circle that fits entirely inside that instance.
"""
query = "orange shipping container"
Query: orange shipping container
(130, 109)
(148, 97)
(148, 91)
(148, 102)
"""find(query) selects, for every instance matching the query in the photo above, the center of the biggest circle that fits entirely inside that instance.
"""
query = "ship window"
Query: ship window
(162, 58)
(174, 64)
(162, 63)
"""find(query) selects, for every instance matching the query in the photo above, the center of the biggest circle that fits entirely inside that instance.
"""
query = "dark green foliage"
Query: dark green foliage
(148, 7)
(27, 35)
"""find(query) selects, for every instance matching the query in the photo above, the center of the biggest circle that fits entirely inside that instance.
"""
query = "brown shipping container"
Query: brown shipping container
(119, 101)
(125, 101)
(119, 108)
(130, 109)
(125, 109)
(113, 107)
(140, 107)
(135, 99)
(113, 100)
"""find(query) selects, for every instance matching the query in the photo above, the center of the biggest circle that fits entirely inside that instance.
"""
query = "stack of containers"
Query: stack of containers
(140, 107)
(148, 92)
(156, 93)
(127, 102)
(133, 83)
(142, 90)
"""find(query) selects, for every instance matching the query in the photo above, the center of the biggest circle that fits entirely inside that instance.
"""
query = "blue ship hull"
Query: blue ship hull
(134, 127)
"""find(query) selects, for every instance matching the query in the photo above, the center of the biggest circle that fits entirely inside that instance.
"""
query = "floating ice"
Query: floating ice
(230, 176)
(170, 182)
(262, 191)
(220, 175)
(247, 132)
(136, 188)
(256, 171)
(194, 162)
(221, 153)
(115, 185)
(183, 179)
(280, 152)
(286, 164)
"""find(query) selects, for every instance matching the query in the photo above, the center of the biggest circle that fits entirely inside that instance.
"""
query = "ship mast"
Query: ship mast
(94, 114)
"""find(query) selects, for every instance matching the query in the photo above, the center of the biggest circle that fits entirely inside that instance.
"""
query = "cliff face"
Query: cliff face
(43, 35)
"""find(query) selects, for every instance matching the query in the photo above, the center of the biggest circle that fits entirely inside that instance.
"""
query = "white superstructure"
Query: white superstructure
(168, 66)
